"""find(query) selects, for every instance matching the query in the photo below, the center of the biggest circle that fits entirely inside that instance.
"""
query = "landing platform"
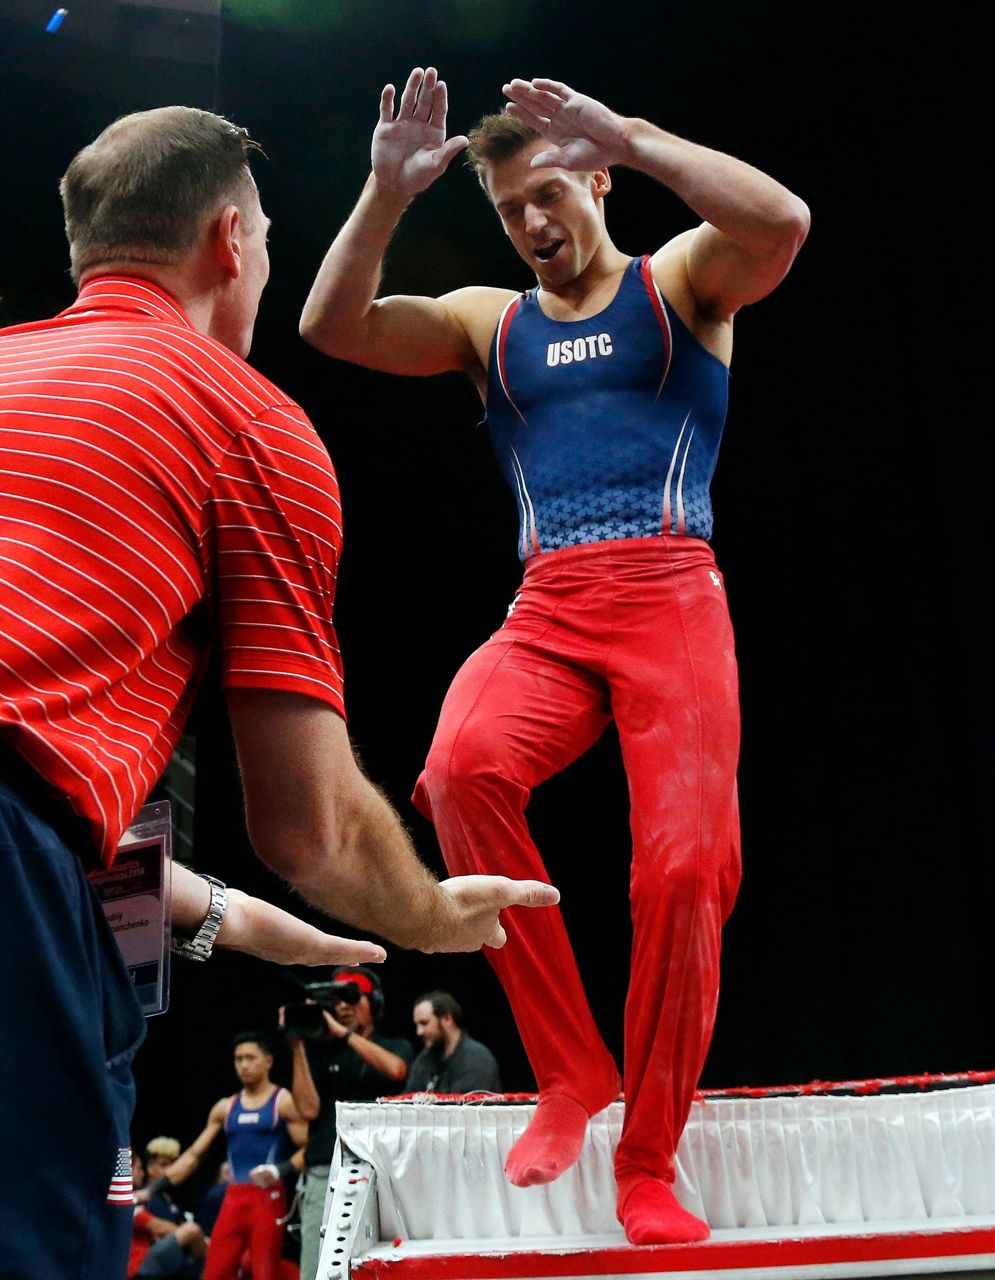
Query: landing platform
(863, 1178)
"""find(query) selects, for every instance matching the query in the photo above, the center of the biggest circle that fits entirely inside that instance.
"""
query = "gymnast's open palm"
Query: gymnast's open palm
(582, 132)
(410, 149)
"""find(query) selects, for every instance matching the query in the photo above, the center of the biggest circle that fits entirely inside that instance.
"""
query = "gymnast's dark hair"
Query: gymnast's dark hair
(260, 1038)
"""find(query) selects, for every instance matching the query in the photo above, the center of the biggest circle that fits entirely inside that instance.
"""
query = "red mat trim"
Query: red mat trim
(814, 1087)
(712, 1256)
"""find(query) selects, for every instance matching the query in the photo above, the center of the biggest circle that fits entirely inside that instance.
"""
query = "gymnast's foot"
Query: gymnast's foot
(650, 1213)
(551, 1143)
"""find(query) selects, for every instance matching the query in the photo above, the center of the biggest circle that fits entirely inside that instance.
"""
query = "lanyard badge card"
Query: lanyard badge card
(134, 893)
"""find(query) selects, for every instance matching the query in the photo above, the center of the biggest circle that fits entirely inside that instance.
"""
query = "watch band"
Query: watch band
(200, 946)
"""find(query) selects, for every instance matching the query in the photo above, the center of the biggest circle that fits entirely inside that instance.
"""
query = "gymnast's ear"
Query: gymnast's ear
(601, 183)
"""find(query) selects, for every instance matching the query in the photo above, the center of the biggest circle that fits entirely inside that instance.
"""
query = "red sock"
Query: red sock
(651, 1215)
(551, 1143)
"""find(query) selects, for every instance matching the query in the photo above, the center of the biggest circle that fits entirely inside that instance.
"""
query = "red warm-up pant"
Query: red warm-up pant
(251, 1218)
(636, 630)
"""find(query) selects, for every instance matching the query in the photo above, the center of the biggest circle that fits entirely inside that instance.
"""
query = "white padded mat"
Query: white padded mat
(742, 1162)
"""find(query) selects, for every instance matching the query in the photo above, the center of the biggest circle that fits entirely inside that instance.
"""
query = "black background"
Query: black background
(852, 498)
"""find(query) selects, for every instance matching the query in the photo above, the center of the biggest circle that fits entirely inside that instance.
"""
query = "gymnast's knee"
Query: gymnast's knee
(463, 767)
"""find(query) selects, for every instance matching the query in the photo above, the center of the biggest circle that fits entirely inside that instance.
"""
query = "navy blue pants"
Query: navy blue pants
(70, 1025)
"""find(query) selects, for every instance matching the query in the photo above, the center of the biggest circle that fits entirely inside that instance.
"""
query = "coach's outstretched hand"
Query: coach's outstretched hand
(583, 133)
(410, 149)
(260, 929)
(476, 902)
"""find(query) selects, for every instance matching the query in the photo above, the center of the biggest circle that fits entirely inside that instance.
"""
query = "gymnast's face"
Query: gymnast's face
(158, 1166)
(252, 1064)
(554, 218)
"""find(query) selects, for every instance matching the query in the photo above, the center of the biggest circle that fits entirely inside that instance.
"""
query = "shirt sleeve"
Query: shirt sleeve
(403, 1050)
(271, 547)
(143, 1220)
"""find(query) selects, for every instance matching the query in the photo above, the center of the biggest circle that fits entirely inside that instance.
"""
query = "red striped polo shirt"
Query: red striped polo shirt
(157, 496)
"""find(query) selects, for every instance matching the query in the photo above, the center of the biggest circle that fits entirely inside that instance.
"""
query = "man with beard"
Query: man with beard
(450, 1061)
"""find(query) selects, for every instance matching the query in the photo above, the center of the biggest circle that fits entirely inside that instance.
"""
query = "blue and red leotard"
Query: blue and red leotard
(607, 427)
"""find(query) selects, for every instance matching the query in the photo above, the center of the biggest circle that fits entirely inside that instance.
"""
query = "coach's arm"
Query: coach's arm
(316, 820)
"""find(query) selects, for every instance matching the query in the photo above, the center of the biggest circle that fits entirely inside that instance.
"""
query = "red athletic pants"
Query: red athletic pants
(636, 630)
(250, 1219)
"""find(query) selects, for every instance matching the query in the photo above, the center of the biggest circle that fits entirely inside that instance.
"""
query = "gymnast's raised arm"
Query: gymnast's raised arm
(402, 334)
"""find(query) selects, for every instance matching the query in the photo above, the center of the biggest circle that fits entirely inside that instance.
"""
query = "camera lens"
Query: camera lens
(304, 1021)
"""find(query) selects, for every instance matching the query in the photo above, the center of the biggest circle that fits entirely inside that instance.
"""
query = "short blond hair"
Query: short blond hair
(166, 1148)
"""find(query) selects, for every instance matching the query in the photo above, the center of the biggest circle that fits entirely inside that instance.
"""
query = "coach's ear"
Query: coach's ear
(226, 241)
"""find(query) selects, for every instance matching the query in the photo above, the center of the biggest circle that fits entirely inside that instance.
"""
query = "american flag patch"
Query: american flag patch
(122, 1190)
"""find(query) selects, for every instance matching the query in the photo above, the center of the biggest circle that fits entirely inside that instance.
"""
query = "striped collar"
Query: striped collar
(129, 293)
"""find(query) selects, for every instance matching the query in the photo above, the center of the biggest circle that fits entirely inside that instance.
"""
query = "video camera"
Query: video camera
(307, 1021)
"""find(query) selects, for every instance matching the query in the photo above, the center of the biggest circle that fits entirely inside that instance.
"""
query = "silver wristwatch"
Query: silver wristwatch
(200, 946)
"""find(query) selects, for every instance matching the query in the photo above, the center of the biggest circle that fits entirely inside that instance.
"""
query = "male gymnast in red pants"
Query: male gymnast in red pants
(605, 390)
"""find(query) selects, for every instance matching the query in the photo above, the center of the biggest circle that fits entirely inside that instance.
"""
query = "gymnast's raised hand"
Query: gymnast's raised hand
(582, 132)
(410, 149)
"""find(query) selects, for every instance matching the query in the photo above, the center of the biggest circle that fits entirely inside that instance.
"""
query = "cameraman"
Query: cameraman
(338, 1057)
